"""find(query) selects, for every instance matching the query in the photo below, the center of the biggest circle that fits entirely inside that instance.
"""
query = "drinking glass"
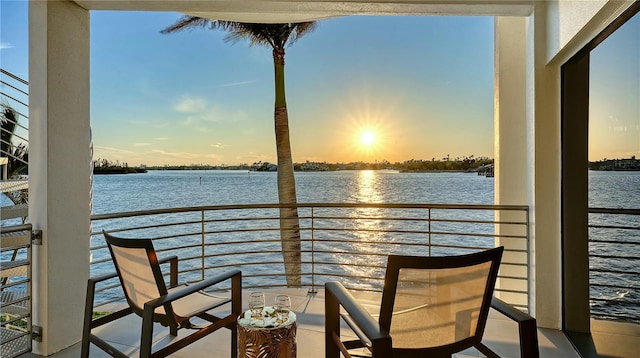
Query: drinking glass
(256, 304)
(283, 306)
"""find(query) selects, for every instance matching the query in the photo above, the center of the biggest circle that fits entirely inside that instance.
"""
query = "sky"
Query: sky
(359, 88)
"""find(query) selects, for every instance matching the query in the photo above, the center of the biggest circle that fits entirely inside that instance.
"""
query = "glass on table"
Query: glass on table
(283, 306)
(256, 304)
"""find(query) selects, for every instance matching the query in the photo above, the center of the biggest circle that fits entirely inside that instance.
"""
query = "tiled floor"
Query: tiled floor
(501, 334)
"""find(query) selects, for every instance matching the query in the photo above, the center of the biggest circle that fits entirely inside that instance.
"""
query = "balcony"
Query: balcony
(501, 334)
(343, 242)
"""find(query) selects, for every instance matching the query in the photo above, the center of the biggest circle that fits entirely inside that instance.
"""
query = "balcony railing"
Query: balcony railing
(15, 290)
(614, 244)
(345, 242)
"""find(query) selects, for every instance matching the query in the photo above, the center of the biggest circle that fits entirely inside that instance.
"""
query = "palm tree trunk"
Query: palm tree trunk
(289, 222)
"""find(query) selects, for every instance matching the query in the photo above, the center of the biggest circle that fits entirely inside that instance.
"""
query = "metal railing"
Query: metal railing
(14, 94)
(614, 247)
(14, 99)
(15, 290)
(345, 242)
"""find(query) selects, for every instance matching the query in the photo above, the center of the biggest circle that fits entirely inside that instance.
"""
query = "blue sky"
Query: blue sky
(422, 85)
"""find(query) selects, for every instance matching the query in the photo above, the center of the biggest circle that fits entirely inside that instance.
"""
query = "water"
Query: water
(171, 189)
(622, 296)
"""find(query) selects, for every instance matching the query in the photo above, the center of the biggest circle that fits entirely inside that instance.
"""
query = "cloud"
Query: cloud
(233, 84)
(198, 112)
(185, 156)
(5, 45)
(150, 124)
(110, 153)
(141, 144)
(218, 145)
(189, 104)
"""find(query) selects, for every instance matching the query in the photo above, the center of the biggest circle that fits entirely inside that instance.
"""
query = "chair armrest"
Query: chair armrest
(380, 339)
(527, 327)
(173, 269)
(94, 280)
(187, 290)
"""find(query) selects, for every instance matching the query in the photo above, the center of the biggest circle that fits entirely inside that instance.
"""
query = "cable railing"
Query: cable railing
(15, 290)
(14, 142)
(343, 242)
(614, 244)
(14, 96)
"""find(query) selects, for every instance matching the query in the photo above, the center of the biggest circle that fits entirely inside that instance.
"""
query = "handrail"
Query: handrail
(349, 241)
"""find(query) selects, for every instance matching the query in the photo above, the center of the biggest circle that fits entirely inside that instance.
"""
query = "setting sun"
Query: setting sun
(367, 138)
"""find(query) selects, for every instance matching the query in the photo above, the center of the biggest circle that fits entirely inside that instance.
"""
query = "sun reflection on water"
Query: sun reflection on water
(366, 225)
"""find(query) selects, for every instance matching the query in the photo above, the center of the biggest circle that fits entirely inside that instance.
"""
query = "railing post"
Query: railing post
(313, 255)
(202, 244)
(429, 217)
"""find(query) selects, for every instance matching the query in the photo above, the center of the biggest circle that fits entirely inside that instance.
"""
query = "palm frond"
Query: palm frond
(302, 29)
(271, 35)
(187, 22)
(8, 123)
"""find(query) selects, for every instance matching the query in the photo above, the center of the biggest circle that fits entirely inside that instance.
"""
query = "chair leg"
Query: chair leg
(88, 317)
(147, 333)
(332, 324)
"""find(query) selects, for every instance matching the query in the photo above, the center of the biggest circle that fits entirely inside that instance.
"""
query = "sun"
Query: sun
(367, 138)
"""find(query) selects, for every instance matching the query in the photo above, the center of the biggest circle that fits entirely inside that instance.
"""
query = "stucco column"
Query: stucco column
(59, 160)
(527, 152)
(543, 101)
(512, 176)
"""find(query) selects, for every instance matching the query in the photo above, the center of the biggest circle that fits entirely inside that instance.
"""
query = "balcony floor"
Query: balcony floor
(500, 335)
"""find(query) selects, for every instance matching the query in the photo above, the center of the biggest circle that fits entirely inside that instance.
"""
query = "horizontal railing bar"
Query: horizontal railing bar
(144, 227)
(242, 230)
(614, 286)
(422, 219)
(617, 257)
(613, 242)
(498, 289)
(398, 231)
(110, 287)
(308, 205)
(15, 283)
(15, 317)
(16, 247)
(111, 300)
(15, 338)
(7, 73)
(15, 302)
(614, 271)
(614, 211)
(99, 261)
(16, 228)
(615, 227)
(523, 278)
(17, 112)
(15, 88)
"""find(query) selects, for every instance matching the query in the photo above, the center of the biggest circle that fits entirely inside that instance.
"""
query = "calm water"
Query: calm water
(615, 190)
(161, 189)
(167, 189)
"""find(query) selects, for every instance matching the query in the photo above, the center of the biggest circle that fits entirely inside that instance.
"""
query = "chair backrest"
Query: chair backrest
(140, 275)
(438, 304)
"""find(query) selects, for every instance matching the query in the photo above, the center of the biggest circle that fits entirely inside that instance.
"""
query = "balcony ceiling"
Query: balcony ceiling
(277, 11)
